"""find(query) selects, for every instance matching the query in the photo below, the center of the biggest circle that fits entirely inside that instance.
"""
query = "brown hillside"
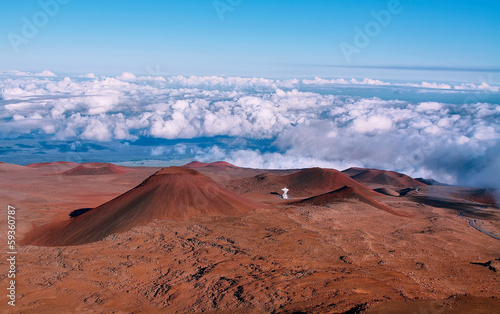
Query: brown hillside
(303, 183)
(216, 164)
(51, 164)
(5, 167)
(344, 194)
(374, 177)
(95, 168)
(171, 193)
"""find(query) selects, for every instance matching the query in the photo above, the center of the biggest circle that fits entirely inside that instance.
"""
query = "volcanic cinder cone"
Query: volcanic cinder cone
(95, 168)
(304, 183)
(217, 164)
(374, 177)
(345, 194)
(171, 193)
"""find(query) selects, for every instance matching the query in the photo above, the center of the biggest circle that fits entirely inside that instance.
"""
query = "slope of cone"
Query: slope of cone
(387, 191)
(94, 168)
(196, 164)
(171, 193)
(4, 167)
(303, 183)
(217, 164)
(374, 177)
(52, 164)
(344, 194)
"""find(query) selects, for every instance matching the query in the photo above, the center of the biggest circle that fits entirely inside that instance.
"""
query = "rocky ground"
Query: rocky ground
(330, 258)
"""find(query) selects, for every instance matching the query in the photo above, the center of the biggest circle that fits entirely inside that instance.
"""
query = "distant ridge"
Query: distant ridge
(344, 194)
(4, 167)
(374, 177)
(218, 164)
(430, 181)
(49, 164)
(95, 168)
(308, 182)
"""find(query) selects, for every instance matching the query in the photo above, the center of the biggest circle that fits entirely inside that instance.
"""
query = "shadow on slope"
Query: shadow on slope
(171, 193)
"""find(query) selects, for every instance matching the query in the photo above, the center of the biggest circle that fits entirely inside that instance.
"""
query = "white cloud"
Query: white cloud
(177, 126)
(96, 129)
(49, 129)
(433, 129)
(126, 76)
(429, 106)
(89, 75)
(102, 103)
(256, 159)
(300, 128)
(435, 85)
(45, 73)
(158, 151)
(482, 87)
(461, 140)
(180, 149)
(372, 123)
(322, 81)
(425, 85)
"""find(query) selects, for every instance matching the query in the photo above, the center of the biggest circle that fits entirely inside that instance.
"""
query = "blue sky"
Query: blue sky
(410, 86)
(279, 38)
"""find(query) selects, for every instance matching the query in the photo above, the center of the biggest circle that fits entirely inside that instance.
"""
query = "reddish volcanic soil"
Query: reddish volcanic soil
(171, 193)
(213, 238)
(52, 164)
(95, 168)
(345, 194)
(217, 164)
(380, 178)
(302, 183)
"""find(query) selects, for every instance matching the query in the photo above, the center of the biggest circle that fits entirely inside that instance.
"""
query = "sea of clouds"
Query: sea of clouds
(258, 122)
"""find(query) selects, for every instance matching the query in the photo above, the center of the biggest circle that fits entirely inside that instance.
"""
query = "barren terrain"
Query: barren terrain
(218, 238)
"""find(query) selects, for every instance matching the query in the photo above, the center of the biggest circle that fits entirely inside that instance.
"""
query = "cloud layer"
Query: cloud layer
(272, 123)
